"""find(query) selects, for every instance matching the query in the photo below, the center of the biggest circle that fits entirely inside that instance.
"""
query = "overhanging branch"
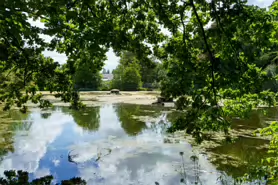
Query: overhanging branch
(211, 56)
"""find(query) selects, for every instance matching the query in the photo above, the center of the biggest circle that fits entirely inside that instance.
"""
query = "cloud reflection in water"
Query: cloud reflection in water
(134, 159)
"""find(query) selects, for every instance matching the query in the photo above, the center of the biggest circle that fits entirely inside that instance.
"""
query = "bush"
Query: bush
(105, 86)
(143, 89)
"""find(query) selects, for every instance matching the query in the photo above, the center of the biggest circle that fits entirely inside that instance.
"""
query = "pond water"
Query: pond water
(108, 145)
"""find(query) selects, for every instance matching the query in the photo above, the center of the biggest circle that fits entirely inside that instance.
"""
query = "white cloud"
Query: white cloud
(140, 160)
(42, 173)
(31, 145)
(261, 3)
(57, 57)
(37, 23)
(112, 60)
(142, 164)
(105, 126)
(46, 38)
(56, 162)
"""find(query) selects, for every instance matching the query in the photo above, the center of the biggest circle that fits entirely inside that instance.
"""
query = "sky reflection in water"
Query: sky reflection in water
(132, 152)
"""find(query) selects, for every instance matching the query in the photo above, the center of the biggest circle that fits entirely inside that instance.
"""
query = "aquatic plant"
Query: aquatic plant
(271, 162)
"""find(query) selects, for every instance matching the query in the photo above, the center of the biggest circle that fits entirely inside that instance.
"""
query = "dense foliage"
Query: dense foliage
(127, 77)
(272, 162)
(133, 74)
(21, 177)
(86, 78)
(217, 53)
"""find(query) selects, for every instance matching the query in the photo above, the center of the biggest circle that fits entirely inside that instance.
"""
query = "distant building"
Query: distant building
(107, 77)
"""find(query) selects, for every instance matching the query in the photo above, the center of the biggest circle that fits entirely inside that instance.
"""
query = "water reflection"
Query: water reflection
(31, 143)
(241, 156)
(108, 146)
(125, 114)
(246, 152)
(9, 122)
(45, 115)
(257, 119)
(88, 119)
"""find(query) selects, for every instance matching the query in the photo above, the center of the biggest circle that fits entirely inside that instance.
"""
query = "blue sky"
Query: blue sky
(112, 59)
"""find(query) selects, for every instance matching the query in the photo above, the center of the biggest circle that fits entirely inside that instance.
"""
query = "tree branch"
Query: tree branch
(223, 30)
(212, 60)
(182, 20)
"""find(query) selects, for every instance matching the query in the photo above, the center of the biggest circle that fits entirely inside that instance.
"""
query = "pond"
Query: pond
(111, 144)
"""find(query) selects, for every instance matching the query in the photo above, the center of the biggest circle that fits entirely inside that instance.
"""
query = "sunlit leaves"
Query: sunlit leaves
(272, 166)
(127, 75)
(214, 51)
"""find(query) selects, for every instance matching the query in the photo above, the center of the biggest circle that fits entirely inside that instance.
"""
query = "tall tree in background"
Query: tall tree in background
(86, 77)
(127, 77)
(104, 71)
(147, 70)
(159, 75)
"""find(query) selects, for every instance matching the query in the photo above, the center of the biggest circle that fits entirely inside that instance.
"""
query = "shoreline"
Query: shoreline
(98, 98)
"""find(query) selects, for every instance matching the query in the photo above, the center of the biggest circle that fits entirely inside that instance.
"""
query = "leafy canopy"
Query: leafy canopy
(215, 50)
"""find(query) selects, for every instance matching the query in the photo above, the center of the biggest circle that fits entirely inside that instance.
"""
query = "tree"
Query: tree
(86, 77)
(187, 43)
(131, 79)
(159, 75)
(127, 74)
(21, 177)
(117, 79)
(208, 63)
(146, 69)
(126, 78)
